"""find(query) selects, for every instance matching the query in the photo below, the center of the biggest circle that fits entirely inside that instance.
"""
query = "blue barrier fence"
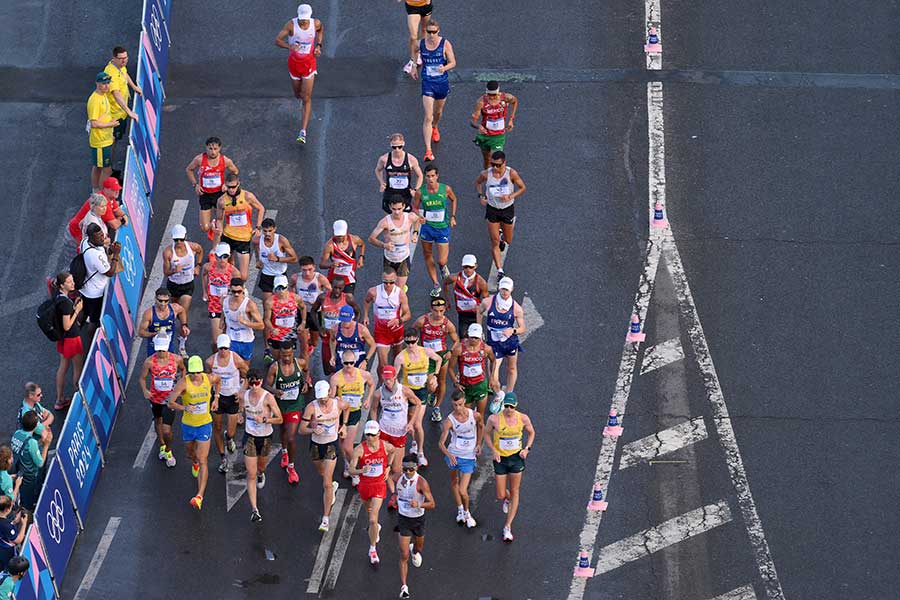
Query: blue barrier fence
(72, 476)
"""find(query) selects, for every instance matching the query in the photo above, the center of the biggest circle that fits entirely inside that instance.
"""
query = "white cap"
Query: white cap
(223, 249)
(304, 11)
(340, 227)
(474, 330)
(469, 260)
(161, 342)
(223, 341)
(179, 232)
(506, 283)
(322, 388)
(372, 428)
(280, 281)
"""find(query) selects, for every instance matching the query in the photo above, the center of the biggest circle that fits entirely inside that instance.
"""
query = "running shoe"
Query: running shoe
(373, 556)
(404, 591)
(507, 534)
(506, 506)
(293, 477)
(436, 414)
(267, 357)
(423, 462)
(354, 480)
(170, 460)
(415, 556)
(62, 404)
(460, 516)
(436, 290)
(428, 156)
(255, 517)
(211, 232)
(445, 271)
(162, 453)
(435, 135)
(230, 445)
(183, 353)
(408, 68)
(301, 137)
(334, 489)
(260, 481)
(284, 459)
(470, 522)
(197, 502)
(195, 469)
(323, 526)
(414, 448)
(500, 275)
(346, 471)
(223, 467)
(392, 502)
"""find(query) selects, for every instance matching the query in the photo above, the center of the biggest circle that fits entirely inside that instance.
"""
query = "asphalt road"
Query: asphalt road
(780, 203)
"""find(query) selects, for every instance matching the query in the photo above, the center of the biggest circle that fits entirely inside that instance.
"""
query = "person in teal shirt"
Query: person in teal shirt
(15, 570)
(33, 395)
(30, 457)
(9, 484)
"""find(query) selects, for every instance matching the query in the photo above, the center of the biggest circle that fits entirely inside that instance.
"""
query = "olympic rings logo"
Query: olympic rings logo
(128, 261)
(155, 31)
(56, 524)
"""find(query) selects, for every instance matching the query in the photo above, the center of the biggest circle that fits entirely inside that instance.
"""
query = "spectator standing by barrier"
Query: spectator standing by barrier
(30, 457)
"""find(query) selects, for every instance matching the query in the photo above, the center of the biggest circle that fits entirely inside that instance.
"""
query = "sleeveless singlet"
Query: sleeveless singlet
(400, 236)
(230, 375)
(184, 264)
(471, 365)
(195, 399)
(253, 415)
(331, 308)
(436, 206)
(407, 491)
(508, 438)
(434, 337)
(415, 370)
(394, 413)
(493, 116)
(238, 213)
(431, 60)
(373, 463)
(305, 38)
(158, 324)
(283, 318)
(349, 342)
(494, 187)
(236, 331)
(290, 387)
(498, 321)
(308, 290)
(326, 431)
(397, 176)
(463, 436)
(162, 378)
(387, 306)
(211, 177)
(351, 391)
(269, 267)
(464, 296)
(218, 285)
(343, 262)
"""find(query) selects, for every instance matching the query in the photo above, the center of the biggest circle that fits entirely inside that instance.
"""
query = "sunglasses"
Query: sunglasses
(497, 164)
(348, 362)
(237, 292)
(432, 31)
(400, 147)
(39, 394)
(232, 187)
(468, 266)
(387, 282)
(371, 435)
(438, 303)
(409, 469)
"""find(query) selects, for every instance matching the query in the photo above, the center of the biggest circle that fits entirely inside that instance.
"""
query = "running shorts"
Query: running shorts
(490, 143)
(369, 489)
(509, 464)
(177, 290)
(463, 465)
(401, 267)
(201, 433)
(508, 347)
(436, 90)
(244, 349)
(161, 411)
(209, 201)
(227, 406)
(410, 526)
(323, 451)
(237, 247)
(477, 392)
(434, 235)
(256, 447)
(419, 10)
(387, 337)
(395, 441)
(301, 67)
(100, 157)
(500, 215)
(70, 347)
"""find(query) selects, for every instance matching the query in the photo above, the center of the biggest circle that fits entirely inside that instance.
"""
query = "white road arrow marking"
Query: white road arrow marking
(742, 593)
(533, 319)
(661, 355)
(663, 442)
(236, 483)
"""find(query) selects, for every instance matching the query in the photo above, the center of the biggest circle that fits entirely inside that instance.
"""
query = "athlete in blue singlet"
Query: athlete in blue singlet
(350, 335)
(437, 58)
(153, 321)
(505, 321)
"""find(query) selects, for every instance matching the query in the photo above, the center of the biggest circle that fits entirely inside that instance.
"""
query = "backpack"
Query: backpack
(78, 269)
(48, 321)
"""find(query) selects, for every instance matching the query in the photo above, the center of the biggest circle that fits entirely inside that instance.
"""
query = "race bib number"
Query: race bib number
(354, 400)
(343, 268)
(435, 216)
(237, 219)
(330, 323)
(305, 47)
(218, 290)
(498, 336)
(499, 190)
(495, 124)
(163, 384)
(433, 70)
(290, 393)
(510, 444)
(398, 182)
(465, 303)
(197, 409)
(417, 379)
(373, 470)
(473, 370)
(386, 313)
(211, 180)
(436, 345)
(465, 443)
(286, 322)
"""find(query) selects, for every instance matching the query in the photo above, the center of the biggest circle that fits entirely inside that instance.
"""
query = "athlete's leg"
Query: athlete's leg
(306, 88)
(494, 232)
(418, 430)
(205, 218)
(454, 487)
(326, 470)
(429, 261)
(441, 384)
(215, 325)
(373, 506)
(481, 407)
(160, 434)
(251, 463)
(289, 440)
(495, 375)
(383, 353)
(428, 121)
(202, 454)
(486, 156)
(396, 469)
(515, 481)
(500, 483)
(232, 426)
(404, 541)
(395, 350)
(463, 490)
(217, 433)
(167, 436)
(508, 230)
(443, 254)
(412, 23)
(243, 265)
(438, 112)
(512, 372)
(189, 451)
(347, 443)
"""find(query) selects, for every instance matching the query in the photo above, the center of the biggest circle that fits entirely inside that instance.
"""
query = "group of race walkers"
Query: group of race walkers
(385, 369)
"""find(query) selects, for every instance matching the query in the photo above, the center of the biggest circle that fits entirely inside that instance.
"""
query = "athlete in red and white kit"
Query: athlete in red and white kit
(370, 461)
(343, 254)
(391, 312)
(217, 274)
(206, 172)
(304, 41)
(469, 289)
(399, 407)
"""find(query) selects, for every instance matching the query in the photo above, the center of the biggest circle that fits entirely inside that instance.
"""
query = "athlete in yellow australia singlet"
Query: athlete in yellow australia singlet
(414, 363)
(355, 387)
(194, 396)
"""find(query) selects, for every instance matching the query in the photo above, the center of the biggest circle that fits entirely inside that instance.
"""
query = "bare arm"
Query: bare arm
(417, 169)
(255, 319)
(450, 56)
(286, 31)
(290, 257)
(451, 196)
(520, 185)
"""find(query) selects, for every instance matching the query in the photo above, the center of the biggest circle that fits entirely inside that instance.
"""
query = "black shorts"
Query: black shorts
(228, 405)
(464, 319)
(161, 410)
(419, 10)
(389, 194)
(500, 215)
(312, 321)
(214, 315)
(209, 201)
(353, 418)
(121, 129)
(410, 526)
(327, 451)
(236, 246)
(92, 307)
(266, 283)
(177, 290)
(256, 447)
(401, 267)
(350, 288)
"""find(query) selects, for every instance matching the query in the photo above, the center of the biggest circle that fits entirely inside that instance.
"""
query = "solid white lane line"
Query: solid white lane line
(653, 19)
(742, 593)
(660, 355)
(665, 534)
(140, 461)
(99, 556)
(315, 580)
(662, 443)
(343, 541)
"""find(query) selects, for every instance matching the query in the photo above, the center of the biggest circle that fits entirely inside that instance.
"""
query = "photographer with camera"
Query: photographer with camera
(101, 261)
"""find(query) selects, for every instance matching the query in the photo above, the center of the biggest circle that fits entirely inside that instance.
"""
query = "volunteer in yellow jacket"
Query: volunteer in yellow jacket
(504, 434)
(120, 89)
(100, 125)
(192, 395)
